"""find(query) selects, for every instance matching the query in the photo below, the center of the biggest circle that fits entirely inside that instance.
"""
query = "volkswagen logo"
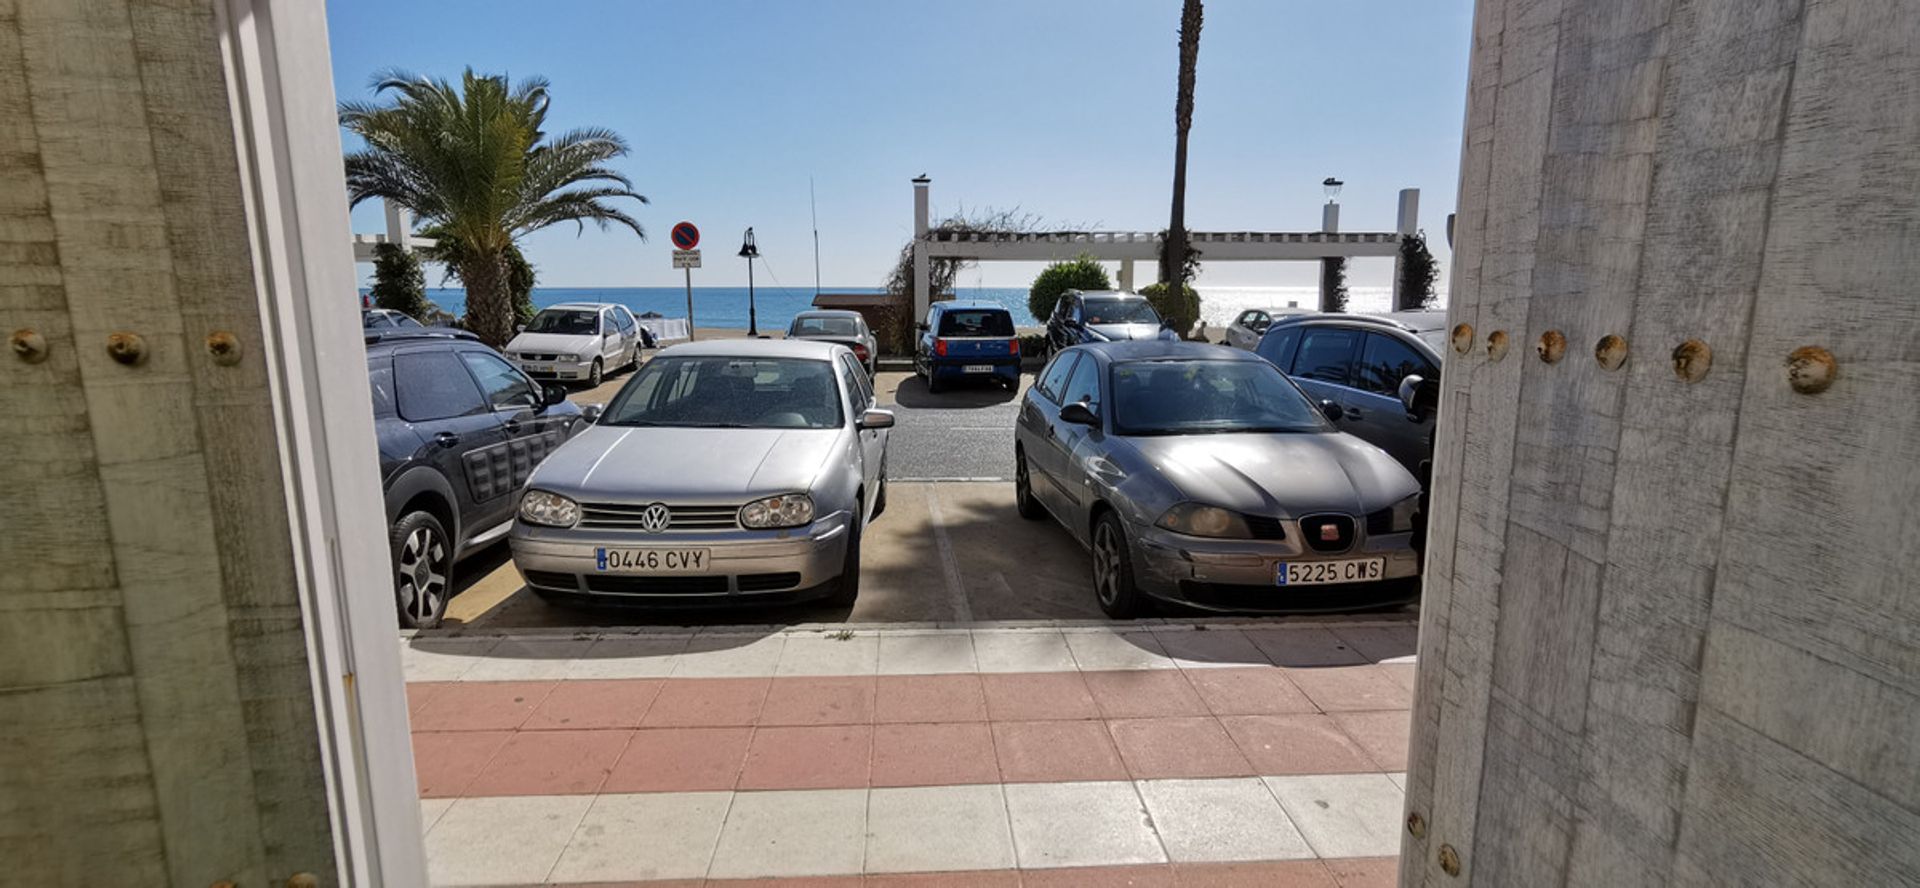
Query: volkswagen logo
(655, 518)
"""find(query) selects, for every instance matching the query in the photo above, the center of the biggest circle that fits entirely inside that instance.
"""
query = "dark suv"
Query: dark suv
(1103, 316)
(459, 430)
(1382, 370)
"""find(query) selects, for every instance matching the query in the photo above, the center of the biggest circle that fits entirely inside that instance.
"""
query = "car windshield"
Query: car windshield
(824, 326)
(729, 393)
(985, 322)
(1206, 397)
(566, 321)
(1121, 311)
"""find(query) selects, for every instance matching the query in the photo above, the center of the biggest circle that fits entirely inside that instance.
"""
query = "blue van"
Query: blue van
(967, 340)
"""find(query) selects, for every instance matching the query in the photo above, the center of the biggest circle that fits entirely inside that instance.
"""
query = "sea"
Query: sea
(726, 307)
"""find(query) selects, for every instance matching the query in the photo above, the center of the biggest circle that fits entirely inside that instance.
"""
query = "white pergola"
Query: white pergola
(399, 231)
(1128, 247)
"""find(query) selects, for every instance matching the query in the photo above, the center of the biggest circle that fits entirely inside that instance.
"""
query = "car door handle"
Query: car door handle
(512, 426)
(446, 439)
(1353, 413)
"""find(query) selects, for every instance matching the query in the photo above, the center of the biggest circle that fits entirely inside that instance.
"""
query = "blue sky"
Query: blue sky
(1063, 108)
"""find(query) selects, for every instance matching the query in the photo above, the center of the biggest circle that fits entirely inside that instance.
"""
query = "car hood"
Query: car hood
(1279, 474)
(1123, 332)
(644, 465)
(551, 342)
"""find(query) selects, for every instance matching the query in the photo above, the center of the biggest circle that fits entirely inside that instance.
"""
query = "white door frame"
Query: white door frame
(286, 129)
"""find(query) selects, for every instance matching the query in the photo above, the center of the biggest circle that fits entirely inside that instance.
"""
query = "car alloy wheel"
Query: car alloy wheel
(594, 375)
(1028, 507)
(421, 572)
(1106, 563)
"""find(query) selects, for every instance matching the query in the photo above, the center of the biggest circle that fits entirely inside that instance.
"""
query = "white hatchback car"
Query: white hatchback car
(577, 341)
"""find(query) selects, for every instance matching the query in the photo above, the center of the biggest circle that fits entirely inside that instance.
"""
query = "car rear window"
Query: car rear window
(804, 326)
(976, 322)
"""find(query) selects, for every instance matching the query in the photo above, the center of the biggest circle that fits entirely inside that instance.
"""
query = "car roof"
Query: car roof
(404, 335)
(969, 305)
(1108, 294)
(1281, 311)
(1420, 320)
(1162, 349)
(581, 306)
(753, 348)
(827, 313)
(1344, 318)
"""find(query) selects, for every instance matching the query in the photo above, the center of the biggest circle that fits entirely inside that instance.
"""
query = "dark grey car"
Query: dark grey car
(1199, 474)
(1364, 363)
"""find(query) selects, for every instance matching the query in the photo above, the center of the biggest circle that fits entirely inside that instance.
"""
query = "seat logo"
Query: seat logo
(655, 518)
(1330, 532)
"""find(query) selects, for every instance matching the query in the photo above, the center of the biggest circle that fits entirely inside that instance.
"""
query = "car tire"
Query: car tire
(933, 383)
(846, 587)
(596, 375)
(1113, 585)
(419, 538)
(1024, 501)
(880, 501)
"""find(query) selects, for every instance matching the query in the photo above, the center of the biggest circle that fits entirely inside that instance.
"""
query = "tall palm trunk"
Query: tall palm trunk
(489, 305)
(1173, 256)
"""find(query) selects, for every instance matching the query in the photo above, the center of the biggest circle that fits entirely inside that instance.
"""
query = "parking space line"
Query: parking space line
(949, 566)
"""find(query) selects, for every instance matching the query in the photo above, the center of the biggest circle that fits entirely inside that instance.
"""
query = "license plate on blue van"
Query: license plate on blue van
(977, 368)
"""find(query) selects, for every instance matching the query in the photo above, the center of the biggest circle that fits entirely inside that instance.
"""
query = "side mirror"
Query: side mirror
(519, 328)
(1420, 396)
(1080, 413)
(1332, 411)
(591, 412)
(1166, 323)
(922, 326)
(876, 419)
(552, 393)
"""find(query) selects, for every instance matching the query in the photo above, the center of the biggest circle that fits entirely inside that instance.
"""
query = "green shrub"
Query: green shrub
(399, 284)
(1183, 311)
(520, 280)
(1080, 273)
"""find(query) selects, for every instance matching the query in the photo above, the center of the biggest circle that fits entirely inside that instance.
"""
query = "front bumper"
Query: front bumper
(743, 567)
(1238, 575)
(567, 370)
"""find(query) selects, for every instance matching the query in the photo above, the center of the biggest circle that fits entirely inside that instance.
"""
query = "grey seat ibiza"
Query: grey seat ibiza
(722, 473)
(1200, 474)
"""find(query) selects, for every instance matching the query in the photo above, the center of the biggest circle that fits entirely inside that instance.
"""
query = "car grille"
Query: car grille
(621, 585)
(1379, 522)
(530, 356)
(623, 516)
(1312, 530)
(1265, 528)
(549, 579)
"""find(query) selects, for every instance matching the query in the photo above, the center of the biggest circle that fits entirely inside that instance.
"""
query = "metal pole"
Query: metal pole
(752, 328)
(691, 335)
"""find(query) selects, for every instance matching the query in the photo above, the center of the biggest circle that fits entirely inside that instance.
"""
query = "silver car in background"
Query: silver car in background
(848, 328)
(731, 472)
(1202, 475)
(577, 342)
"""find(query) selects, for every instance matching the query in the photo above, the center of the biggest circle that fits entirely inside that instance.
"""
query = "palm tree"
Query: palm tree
(1173, 253)
(473, 164)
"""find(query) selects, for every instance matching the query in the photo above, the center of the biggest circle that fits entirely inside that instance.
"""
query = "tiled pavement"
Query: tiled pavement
(1168, 755)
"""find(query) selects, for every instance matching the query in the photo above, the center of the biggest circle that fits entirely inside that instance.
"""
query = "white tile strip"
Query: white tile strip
(903, 651)
(621, 837)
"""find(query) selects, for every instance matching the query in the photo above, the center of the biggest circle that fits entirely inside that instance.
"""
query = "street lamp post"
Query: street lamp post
(750, 252)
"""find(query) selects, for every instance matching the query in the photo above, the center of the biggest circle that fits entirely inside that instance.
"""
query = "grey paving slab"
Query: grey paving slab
(827, 655)
(813, 832)
(442, 659)
(1305, 647)
(730, 656)
(1022, 650)
(1343, 815)
(930, 653)
(1080, 824)
(430, 811)
(1103, 649)
(1205, 648)
(1399, 779)
(629, 658)
(516, 659)
(935, 828)
(1213, 820)
(666, 835)
(502, 841)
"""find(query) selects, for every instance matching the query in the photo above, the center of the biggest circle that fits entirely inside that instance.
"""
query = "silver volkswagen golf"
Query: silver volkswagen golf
(730, 472)
(1202, 475)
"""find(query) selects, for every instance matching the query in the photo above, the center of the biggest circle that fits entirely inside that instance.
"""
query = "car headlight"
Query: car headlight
(549, 509)
(1403, 512)
(573, 358)
(786, 510)
(1194, 519)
